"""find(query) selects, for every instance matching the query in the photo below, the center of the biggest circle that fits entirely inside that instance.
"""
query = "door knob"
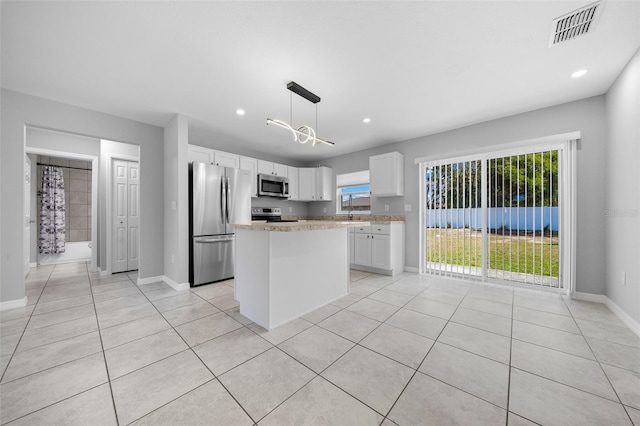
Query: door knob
(121, 222)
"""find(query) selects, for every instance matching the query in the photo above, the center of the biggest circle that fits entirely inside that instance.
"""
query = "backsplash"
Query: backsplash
(359, 217)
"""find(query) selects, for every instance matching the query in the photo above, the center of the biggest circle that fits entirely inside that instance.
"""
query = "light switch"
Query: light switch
(386, 207)
(174, 205)
(407, 207)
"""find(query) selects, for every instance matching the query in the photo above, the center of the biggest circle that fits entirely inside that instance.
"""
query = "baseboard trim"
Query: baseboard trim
(601, 298)
(625, 317)
(104, 273)
(12, 304)
(150, 280)
(175, 285)
(411, 269)
(590, 297)
(33, 264)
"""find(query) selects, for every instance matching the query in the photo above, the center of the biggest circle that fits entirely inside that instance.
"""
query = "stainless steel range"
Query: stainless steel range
(270, 214)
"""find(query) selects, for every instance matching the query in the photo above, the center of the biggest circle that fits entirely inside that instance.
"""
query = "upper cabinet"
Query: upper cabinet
(225, 159)
(315, 184)
(305, 184)
(200, 154)
(324, 183)
(267, 167)
(292, 174)
(387, 174)
(251, 164)
(211, 156)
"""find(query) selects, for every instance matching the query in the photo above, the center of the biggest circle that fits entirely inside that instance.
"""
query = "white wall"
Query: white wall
(19, 110)
(109, 149)
(176, 200)
(586, 116)
(621, 210)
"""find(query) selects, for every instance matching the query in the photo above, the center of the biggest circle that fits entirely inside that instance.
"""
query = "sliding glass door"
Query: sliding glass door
(497, 216)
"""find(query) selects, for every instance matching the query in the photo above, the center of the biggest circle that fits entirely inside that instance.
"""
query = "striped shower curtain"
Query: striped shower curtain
(52, 211)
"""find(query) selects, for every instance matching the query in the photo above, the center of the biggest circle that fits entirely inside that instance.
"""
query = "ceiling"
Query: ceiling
(414, 68)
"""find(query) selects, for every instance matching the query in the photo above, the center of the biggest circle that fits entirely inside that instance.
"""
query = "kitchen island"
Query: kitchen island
(288, 269)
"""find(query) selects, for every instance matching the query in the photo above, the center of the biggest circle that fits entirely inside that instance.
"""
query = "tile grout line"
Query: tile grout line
(425, 357)
(104, 358)
(600, 365)
(190, 348)
(25, 327)
(513, 297)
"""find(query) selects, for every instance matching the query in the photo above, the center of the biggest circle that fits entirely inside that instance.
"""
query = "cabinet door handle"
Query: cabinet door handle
(372, 236)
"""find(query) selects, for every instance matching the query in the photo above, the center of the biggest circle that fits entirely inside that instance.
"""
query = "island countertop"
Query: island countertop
(303, 225)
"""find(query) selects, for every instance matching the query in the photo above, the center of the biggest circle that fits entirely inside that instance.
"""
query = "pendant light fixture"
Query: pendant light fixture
(304, 133)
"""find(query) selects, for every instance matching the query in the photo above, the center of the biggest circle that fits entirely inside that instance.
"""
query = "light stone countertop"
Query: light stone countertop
(303, 225)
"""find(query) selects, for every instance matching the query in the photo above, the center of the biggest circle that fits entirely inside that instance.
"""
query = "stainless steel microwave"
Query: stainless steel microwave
(273, 186)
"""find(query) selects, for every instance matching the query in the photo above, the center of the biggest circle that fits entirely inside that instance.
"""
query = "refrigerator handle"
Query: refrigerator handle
(222, 199)
(227, 197)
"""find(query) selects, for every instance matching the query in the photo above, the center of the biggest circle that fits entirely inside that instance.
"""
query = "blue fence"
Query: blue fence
(515, 218)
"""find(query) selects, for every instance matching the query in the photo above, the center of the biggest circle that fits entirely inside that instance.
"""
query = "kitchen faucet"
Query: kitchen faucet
(350, 207)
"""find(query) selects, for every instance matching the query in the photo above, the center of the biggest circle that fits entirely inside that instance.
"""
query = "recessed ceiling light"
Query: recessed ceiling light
(240, 111)
(366, 120)
(579, 73)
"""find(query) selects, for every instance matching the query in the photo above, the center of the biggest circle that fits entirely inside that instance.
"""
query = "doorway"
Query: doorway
(125, 217)
(502, 216)
(80, 207)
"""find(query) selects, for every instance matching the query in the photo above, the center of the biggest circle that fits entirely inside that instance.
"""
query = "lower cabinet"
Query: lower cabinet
(378, 248)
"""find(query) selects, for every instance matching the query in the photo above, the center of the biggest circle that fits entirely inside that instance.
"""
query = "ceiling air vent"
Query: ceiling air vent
(575, 24)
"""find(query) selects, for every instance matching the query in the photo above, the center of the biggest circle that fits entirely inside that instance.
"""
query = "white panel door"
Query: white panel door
(120, 208)
(27, 214)
(133, 219)
(126, 216)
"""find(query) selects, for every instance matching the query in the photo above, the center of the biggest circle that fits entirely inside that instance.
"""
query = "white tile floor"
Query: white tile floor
(409, 349)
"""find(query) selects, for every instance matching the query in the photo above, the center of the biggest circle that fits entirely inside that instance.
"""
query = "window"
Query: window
(353, 193)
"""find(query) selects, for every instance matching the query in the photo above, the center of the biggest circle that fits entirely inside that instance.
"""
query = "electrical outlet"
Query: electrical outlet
(386, 207)
(407, 207)
(290, 209)
(623, 278)
(173, 258)
(324, 210)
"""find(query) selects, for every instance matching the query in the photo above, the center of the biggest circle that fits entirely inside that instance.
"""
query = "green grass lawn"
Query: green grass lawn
(518, 254)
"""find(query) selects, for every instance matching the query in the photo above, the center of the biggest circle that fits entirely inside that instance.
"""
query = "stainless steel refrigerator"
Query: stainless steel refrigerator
(219, 197)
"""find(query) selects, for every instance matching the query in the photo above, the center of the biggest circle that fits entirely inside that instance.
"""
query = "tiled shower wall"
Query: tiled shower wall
(77, 186)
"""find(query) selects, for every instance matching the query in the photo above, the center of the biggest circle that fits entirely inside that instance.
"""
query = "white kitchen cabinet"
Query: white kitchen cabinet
(324, 184)
(380, 251)
(362, 246)
(292, 174)
(251, 164)
(307, 184)
(280, 170)
(200, 154)
(211, 156)
(269, 168)
(378, 248)
(226, 159)
(315, 184)
(387, 174)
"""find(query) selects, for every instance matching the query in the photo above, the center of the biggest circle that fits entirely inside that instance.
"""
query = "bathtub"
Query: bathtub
(78, 251)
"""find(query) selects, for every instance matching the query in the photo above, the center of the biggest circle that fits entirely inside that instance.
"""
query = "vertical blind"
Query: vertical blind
(494, 217)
